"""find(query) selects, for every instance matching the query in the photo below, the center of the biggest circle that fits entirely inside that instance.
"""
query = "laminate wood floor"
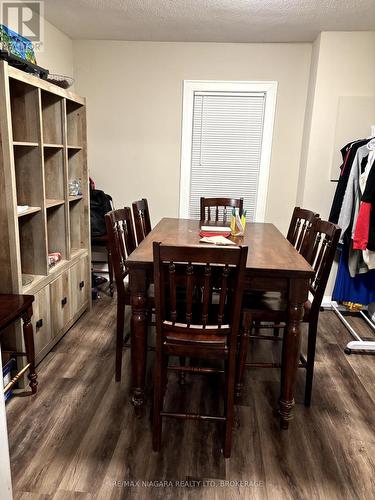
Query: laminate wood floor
(79, 438)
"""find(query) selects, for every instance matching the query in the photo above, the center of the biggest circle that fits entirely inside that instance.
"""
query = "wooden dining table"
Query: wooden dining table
(273, 264)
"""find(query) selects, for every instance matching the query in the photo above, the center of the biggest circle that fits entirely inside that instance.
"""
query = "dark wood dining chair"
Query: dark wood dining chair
(302, 229)
(271, 307)
(300, 233)
(220, 208)
(201, 330)
(142, 221)
(121, 240)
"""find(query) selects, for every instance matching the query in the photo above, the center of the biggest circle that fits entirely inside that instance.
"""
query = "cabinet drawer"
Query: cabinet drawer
(60, 302)
(41, 321)
(80, 286)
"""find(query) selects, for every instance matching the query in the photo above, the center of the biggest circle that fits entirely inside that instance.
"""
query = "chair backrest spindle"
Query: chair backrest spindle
(207, 296)
(121, 239)
(142, 221)
(321, 255)
(223, 294)
(221, 208)
(301, 229)
(172, 288)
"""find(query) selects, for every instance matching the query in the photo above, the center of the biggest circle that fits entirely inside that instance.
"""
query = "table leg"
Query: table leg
(291, 350)
(29, 345)
(138, 290)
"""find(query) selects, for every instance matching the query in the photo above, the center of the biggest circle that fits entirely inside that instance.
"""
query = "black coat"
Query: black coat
(344, 177)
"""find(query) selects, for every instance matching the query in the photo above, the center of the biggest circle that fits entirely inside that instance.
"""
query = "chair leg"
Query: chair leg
(244, 346)
(229, 407)
(158, 401)
(182, 377)
(110, 269)
(311, 345)
(119, 337)
(164, 371)
(28, 336)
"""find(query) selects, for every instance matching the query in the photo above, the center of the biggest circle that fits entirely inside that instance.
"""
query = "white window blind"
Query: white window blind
(226, 147)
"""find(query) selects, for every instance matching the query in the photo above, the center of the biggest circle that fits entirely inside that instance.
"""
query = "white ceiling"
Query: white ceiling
(209, 20)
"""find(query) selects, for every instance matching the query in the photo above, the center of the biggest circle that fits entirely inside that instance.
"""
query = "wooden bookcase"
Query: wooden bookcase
(42, 148)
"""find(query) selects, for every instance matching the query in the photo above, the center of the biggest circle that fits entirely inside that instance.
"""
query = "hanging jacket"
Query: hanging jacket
(352, 197)
(348, 153)
(364, 236)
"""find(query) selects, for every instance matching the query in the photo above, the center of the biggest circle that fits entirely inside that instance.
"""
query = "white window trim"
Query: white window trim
(192, 86)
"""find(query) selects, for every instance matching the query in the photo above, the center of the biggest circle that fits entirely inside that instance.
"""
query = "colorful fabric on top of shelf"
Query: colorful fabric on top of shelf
(15, 44)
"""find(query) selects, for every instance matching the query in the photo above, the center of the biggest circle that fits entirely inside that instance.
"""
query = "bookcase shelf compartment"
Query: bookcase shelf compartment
(54, 174)
(29, 176)
(52, 119)
(77, 233)
(33, 244)
(56, 233)
(24, 103)
(76, 165)
(75, 124)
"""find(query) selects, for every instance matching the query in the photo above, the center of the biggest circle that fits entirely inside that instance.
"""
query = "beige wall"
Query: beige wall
(134, 95)
(342, 65)
(344, 68)
(57, 55)
(308, 120)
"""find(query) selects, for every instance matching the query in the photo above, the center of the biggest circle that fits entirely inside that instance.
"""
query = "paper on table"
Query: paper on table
(217, 240)
(216, 229)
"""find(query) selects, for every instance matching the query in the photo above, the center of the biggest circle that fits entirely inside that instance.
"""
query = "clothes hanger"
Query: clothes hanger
(371, 143)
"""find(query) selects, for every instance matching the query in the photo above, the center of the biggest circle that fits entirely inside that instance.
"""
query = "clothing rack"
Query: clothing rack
(359, 345)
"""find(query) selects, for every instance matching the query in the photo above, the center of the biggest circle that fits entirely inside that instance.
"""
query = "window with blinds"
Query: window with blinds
(226, 147)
